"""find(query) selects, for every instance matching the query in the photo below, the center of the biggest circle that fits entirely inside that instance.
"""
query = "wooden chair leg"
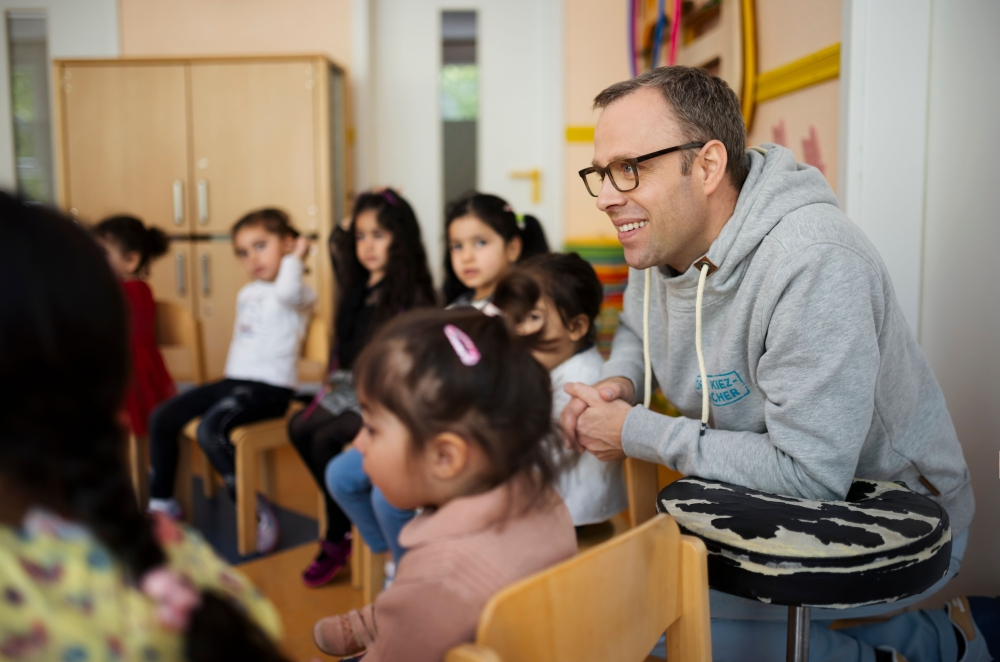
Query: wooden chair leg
(267, 479)
(247, 475)
(642, 485)
(208, 473)
(182, 481)
(372, 574)
(138, 456)
(321, 516)
(357, 547)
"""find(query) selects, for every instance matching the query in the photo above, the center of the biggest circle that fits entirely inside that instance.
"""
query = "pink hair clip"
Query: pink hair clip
(467, 351)
(173, 596)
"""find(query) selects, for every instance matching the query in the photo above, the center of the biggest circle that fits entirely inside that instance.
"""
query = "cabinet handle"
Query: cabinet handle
(206, 288)
(178, 202)
(180, 272)
(203, 201)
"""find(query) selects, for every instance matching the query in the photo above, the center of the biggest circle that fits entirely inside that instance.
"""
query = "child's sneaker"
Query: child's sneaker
(168, 507)
(332, 557)
(268, 529)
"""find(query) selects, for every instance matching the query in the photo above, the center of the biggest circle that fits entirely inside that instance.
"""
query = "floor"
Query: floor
(215, 518)
(277, 575)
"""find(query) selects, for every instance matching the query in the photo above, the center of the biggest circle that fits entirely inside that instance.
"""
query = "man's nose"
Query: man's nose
(610, 196)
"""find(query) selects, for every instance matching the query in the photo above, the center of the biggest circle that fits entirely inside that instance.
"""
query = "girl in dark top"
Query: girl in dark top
(381, 271)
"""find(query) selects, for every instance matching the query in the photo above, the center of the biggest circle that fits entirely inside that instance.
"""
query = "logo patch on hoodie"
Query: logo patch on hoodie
(724, 389)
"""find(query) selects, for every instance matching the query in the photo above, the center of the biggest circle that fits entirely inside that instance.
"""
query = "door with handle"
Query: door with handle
(218, 279)
(170, 276)
(125, 141)
(253, 135)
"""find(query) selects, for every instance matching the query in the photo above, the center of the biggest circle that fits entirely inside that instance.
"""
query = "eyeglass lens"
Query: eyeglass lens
(623, 177)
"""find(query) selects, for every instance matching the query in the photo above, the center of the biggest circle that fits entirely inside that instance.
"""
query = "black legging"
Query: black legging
(319, 439)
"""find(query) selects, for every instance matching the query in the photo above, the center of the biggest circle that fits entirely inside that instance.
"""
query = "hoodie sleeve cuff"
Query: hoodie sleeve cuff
(642, 433)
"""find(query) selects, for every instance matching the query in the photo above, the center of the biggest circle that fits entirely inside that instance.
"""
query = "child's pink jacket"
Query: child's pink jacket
(457, 558)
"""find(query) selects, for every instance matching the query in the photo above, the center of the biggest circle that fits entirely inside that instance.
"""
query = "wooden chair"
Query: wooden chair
(644, 480)
(609, 603)
(178, 335)
(254, 473)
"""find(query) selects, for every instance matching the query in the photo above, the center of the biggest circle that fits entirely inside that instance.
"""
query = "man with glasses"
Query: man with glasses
(813, 377)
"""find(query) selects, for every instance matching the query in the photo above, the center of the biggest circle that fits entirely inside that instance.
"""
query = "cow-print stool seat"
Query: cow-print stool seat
(884, 543)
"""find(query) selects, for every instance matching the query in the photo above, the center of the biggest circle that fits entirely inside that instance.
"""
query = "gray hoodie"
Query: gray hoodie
(814, 376)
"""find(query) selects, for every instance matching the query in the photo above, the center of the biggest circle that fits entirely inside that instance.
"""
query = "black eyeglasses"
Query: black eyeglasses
(624, 174)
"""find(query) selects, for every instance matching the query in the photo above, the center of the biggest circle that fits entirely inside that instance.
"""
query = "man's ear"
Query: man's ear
(513, 248)
(711, 163)
(447, 455)
(578, 327)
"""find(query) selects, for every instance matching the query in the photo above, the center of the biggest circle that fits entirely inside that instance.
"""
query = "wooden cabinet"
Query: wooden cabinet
(253, 138)
(125, 139)
(190, 146)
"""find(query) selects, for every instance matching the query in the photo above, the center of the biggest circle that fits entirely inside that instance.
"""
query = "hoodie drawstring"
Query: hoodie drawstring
(697, 346)
(648, 376)
(647, 383)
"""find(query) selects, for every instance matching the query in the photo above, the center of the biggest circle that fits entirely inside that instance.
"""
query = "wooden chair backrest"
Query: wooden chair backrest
(611, 602)
(176, 328)
(315, 352)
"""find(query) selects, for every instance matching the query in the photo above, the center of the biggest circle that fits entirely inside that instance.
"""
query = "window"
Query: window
(29, 98)
(459, 89)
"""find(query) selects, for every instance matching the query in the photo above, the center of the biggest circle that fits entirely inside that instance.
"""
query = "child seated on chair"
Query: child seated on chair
(552, 300)
(457, 421)
(130, 246)
(85, 574)
(272, 313)
(381, 269)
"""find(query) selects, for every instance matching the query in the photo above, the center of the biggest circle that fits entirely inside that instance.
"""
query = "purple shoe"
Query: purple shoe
(332, 557)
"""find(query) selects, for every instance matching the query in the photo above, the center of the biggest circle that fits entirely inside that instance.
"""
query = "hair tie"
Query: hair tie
(390, 198)
(519, 218)
(460, 341)
(173, 596)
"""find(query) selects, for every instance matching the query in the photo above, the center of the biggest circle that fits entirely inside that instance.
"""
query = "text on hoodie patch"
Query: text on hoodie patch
(724, 389)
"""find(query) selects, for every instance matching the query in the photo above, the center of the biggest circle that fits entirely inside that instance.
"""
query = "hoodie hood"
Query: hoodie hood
(776, 186)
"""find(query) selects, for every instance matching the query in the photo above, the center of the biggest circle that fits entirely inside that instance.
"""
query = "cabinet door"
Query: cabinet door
(170, 276)
(171, 279)
(253, 135)
(125, 142)
(218, 278)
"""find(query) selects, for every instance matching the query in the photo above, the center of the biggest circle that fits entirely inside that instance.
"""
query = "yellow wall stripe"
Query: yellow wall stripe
(814, 68)
(579, 134)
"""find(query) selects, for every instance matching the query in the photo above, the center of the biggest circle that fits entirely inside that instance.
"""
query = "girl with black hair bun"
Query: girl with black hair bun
(85, 574)
(553, 301)
(130, 247)
(483, 239)
(381, 272)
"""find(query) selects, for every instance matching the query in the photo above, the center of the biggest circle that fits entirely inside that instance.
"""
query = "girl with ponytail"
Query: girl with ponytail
(84, 574)
(484, 237)
(130, 247)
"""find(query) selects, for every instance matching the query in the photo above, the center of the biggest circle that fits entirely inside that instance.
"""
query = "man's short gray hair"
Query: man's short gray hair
(705, 107)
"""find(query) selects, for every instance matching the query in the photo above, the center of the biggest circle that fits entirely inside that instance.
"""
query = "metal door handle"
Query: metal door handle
(180, 268)
(203, 201)
(178, 202)
(536, 182)
(206, 287)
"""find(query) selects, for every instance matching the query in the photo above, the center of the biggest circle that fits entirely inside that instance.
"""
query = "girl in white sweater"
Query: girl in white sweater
(553, 300)
(272, 313)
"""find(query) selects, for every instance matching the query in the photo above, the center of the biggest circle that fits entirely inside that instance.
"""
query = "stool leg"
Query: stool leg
(797, 649)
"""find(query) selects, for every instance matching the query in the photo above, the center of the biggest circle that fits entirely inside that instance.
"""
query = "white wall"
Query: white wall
(76, 28)
(919, 174)
(960, 306)
(883, 126)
